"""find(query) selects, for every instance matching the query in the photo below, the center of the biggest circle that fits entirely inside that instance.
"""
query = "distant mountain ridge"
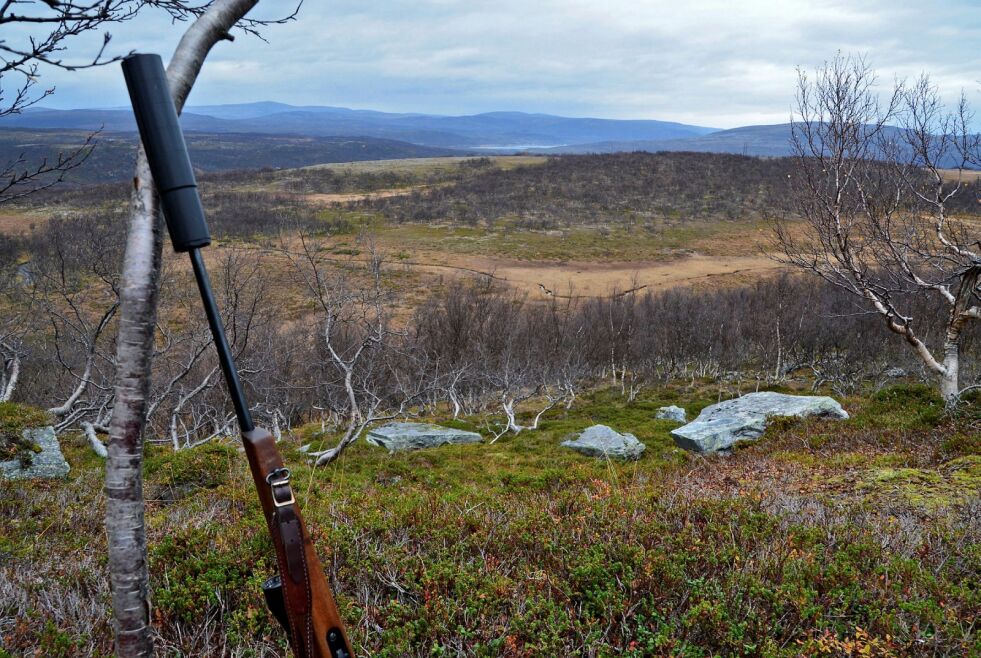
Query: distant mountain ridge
(760, 141)
(488, 130)
(766, 141)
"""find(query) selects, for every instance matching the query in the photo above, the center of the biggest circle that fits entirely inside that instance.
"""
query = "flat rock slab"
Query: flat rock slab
(396, 437)
(49, 463)
(603, 441)
(722, 425)
(673, 412)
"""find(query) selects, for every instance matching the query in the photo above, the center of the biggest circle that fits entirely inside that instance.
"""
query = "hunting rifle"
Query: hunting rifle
(299, 596)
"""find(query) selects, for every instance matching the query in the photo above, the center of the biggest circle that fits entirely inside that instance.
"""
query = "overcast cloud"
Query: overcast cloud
(707, 62)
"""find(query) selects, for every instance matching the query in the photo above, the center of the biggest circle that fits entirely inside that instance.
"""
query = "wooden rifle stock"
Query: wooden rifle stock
(301, 599)
(324, 631)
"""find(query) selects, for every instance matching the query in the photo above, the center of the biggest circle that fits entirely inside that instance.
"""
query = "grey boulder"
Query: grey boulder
(396, 437)
(722, 425)
(49, 463)
(602, 441)
(673, 412)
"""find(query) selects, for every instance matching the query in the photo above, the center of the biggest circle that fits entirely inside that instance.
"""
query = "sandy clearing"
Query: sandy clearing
(19, 223)
(334, 199)
(964, 175)
(584, 279)
(410, 164)
(590, 280)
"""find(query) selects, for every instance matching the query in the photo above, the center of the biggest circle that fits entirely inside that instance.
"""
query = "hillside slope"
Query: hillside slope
(858, 538)
(115, 153)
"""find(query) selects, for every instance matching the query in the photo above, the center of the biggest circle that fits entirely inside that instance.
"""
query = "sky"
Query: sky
(705, 62)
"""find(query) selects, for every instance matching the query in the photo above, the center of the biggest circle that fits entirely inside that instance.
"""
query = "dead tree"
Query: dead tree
(10, 354)
(70, 288)
(180, 408)
(518, 360)
(15, 323)
(876, 204)
(355, 337)
(510, 399)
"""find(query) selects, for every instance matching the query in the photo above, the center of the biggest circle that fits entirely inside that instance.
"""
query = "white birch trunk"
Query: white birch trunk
(12, 377)
(125, 527)
(950, 379)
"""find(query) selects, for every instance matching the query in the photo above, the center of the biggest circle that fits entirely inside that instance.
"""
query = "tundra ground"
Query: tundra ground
(851, 538)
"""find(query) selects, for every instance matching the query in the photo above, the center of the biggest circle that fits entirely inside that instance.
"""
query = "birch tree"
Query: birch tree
(137, 318)
(875, 183)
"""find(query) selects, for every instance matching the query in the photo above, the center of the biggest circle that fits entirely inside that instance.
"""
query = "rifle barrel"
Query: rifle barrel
(221, 342)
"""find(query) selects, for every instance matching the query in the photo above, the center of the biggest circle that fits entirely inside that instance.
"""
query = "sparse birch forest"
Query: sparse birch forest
(527, 298)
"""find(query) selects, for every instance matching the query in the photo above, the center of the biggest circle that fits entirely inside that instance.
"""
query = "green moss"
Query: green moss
(818, 441)
(955, 481)
(14, 419)
(777, 425)
(888, 460)
(903, 476)
(965, 473)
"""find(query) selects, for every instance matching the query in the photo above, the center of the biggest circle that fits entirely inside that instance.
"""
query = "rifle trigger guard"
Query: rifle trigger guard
(280, 478)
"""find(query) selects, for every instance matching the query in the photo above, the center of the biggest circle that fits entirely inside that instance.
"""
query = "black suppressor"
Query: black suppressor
(166, 151)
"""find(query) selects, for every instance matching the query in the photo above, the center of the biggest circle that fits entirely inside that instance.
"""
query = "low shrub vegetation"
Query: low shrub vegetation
(848, 538)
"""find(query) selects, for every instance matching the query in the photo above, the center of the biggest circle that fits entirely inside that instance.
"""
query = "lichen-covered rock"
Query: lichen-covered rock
(673, 412)
(722, 425)
(48, 463)
(397, 437)
(602, 441)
